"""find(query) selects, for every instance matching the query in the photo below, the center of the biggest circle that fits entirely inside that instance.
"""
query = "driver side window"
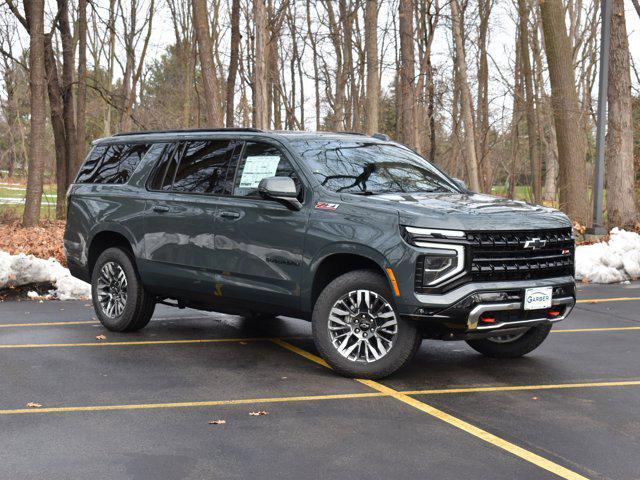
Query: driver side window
(261, 160)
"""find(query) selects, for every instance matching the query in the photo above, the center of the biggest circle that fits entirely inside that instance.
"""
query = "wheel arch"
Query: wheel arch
(338, 261)
(106, 238)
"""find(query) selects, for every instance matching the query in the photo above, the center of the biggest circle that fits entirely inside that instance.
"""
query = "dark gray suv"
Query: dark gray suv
(360, 235)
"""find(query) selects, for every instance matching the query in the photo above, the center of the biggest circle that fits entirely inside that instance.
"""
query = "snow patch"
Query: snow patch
(21, 269)
(617, 260)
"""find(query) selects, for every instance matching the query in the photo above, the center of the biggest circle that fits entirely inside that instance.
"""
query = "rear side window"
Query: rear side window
(165, 169)
(112, 163)
(261, 160)
(203, 167)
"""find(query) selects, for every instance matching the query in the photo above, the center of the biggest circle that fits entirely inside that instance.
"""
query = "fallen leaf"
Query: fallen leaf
(243, 343)
(34, 405)
(101, 337)
(217, 422)
(534, 398)
(257, 414)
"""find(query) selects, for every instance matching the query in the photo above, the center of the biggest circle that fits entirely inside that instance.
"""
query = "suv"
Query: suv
(360, 235)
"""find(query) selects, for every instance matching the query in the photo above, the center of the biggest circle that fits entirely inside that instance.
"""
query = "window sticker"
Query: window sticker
(258, 167)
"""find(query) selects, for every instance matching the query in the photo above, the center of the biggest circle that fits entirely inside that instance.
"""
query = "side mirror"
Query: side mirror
(281, 189)
(461, 184)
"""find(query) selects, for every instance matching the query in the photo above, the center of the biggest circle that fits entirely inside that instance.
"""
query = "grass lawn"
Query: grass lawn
(12, 201)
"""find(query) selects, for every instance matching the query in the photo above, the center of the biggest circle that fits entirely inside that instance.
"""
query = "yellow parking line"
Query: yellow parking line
(518, 388)
(49, 324)
(124, 344)
(454, 421)
(599, 329)
(214, 403)
(602, 300)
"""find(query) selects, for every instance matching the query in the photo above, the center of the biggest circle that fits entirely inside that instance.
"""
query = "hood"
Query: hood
(457, 211)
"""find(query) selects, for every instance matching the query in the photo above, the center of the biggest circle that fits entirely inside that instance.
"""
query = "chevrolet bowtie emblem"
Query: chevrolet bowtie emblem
(535, 243)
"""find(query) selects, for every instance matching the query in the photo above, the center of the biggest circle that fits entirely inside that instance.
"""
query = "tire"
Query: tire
(515, 348)
(135, 308)
(360, 362)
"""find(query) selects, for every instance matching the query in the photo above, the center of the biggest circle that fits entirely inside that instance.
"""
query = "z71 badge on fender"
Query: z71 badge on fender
(327, 206)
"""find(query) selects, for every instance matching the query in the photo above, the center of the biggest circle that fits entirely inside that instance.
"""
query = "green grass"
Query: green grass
(11, 209)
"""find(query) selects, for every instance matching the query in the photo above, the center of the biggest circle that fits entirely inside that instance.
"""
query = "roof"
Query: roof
(285, 134)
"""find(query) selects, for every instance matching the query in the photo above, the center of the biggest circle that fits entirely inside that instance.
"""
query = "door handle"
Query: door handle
(160, 209)
(230, 214)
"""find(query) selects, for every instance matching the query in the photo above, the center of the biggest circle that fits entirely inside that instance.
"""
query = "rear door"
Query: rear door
(181, 216)
(259, 242)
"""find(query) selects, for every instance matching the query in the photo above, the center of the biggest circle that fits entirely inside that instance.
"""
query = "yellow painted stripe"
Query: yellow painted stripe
(454, 421)
(599, 329)
(125, 344)
(213, 403)
(301, 352)
(512, 448)
(603, 300)
(49, 324)
(309, 398)
(518, 388)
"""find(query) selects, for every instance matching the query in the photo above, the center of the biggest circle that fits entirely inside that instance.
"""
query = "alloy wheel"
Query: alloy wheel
(362, 326)
(112, 289)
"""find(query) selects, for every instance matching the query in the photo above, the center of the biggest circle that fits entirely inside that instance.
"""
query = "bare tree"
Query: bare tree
(465, 98)
(81, 100)
(373, 79)
(532, 129)
(33, 21)
(621, 205)
(572, 145)
(233, 60)
(260, 114)
(407, 75)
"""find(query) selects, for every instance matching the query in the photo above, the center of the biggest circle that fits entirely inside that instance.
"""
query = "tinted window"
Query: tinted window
(203, 167)
(260, 160)
(369, 168)
(111, 163)
(165, 168)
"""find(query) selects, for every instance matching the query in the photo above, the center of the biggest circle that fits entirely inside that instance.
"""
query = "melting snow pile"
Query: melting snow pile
(21, 269)
(609, 262)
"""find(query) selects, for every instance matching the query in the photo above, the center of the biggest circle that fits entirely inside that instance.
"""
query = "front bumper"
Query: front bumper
(478, 310)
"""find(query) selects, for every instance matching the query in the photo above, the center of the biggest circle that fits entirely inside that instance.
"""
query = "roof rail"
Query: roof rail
(190, 130)
(381, 136)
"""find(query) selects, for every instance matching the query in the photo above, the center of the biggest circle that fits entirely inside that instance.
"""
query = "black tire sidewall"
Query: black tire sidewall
(127, 320)
(403, 349)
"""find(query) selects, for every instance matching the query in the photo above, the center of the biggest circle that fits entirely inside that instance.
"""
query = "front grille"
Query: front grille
(503, 256)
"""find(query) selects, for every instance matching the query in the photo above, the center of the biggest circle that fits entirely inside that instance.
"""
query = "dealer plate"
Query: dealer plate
(537, 298)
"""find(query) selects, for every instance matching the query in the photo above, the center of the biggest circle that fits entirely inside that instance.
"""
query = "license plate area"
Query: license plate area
(538, 298)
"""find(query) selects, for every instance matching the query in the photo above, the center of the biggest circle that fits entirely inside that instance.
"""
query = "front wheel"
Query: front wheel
(357, 329)
(512, 346)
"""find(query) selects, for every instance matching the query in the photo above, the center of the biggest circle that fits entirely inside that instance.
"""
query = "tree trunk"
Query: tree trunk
(572, 145)
(373, 80)
(81, 102)
(482, 110)
(37, 79)
(56, 112)
(233, 60)
(465, 99)
(260, 118)
(68, 61)
(621, 206)
(408, 128)
(205, 52)
(532, 130)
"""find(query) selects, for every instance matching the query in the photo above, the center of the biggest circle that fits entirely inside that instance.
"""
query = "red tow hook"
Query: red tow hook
(487, 318)
(553, 313)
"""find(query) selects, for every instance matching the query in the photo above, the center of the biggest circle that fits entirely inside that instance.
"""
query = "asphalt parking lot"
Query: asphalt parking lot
(140, 405)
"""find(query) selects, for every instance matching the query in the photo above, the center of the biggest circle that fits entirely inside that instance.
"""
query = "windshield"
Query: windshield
(370, 168)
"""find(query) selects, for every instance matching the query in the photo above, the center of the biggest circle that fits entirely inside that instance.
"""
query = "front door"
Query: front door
(259, 242)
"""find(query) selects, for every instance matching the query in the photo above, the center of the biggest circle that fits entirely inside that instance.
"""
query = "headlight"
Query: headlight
(440, 262)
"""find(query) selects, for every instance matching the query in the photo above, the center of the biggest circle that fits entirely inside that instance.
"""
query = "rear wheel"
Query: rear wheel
(119, 298)
(514, 345)
(357, 329)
